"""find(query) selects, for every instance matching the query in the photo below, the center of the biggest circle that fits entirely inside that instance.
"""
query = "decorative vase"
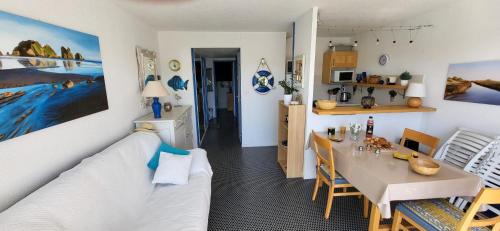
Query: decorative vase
(367, 102)
(287, 99)
(167, 106)
(404, 82)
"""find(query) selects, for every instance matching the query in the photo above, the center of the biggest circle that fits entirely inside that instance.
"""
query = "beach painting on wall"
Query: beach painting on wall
(477, 82)
(48, 75)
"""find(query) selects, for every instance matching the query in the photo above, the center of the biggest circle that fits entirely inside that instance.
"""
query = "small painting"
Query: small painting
(477, 82)
(298, 70)
(48, 75)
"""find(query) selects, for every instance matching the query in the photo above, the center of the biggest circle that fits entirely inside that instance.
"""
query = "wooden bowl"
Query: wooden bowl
(326, 104)
(424, 166)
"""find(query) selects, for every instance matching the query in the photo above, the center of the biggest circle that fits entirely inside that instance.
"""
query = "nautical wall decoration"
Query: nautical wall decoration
(477, 82)
(48, 75)
(177, 83)
(263, 79)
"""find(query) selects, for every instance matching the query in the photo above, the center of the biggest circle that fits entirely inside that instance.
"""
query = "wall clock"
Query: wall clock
(383, 59)
(174, 65)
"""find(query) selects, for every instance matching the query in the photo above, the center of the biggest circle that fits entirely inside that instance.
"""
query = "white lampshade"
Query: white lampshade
(415, 90)
(154, 89)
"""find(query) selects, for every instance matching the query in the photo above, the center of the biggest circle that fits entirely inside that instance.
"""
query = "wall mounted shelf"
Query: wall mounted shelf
(354, 110)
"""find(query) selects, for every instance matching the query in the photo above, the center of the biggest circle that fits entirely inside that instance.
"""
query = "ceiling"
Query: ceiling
(272, 15)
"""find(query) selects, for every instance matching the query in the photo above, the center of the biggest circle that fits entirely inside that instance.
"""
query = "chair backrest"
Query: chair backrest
(422, 138)
(488, 196)
(465, 147)
(324, 152)
(489, 171)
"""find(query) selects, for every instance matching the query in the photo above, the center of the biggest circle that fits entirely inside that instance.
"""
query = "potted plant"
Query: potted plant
(289, 89)
(368, 101)
(405, 78)
(393, 94)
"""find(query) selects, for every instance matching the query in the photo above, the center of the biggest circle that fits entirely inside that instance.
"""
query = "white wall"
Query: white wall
(259, 126)
(29, 161)
(466, 31)
(305, 44)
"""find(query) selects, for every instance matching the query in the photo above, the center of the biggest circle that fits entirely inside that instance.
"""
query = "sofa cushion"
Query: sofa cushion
(178, 207)
(153, 163)
(103, 192)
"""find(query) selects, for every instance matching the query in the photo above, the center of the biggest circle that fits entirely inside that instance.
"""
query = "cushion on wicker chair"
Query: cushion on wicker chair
(434, 214)
(339, 179)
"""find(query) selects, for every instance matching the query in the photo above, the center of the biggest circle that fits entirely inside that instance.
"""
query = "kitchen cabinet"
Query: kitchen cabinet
(174, 127)
(336, 60)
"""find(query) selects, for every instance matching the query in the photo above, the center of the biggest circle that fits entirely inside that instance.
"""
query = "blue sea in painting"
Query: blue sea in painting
(478, 94)
(62, 90)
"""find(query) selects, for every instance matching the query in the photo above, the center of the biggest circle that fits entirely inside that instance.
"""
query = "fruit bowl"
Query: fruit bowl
(326, 104)
(424, 166)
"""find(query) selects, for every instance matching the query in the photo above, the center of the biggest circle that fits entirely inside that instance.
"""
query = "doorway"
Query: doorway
(216, 72)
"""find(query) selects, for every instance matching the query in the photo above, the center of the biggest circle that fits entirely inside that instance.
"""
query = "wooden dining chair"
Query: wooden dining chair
(422, 138)
(439, 214)
(325, 173)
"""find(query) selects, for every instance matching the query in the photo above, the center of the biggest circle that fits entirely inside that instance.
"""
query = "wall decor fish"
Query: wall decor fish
(177, 83)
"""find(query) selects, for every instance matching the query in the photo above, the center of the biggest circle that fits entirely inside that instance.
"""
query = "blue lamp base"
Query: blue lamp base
(156, 107)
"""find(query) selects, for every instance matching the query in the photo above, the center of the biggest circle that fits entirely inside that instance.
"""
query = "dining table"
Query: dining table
(384, 179)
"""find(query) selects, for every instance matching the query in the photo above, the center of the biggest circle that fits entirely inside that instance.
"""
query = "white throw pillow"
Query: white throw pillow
(173, 169)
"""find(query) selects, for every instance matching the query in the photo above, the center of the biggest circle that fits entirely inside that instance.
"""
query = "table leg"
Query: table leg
(374, 218)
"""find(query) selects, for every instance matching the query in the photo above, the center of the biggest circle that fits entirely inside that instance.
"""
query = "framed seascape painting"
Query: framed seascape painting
(48, 75)
(477, 82)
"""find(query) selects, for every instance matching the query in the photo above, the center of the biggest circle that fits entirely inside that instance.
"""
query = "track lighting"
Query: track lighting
(355, 43)
(378, 41)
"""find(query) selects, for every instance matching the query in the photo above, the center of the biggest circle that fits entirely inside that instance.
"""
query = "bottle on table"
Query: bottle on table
(369, 127)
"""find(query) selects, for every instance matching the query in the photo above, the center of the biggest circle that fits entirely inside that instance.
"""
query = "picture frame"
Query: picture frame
(299, 70)
(147, 70)
(474, 82)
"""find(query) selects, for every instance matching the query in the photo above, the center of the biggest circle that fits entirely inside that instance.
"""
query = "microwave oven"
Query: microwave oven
(343, 76)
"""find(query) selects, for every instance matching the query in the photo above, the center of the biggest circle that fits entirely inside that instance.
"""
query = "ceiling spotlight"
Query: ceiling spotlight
(394, 41)
(378, 41)
(355, 43)
(411, 41)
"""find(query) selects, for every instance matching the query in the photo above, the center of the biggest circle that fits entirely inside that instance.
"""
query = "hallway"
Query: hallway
(250, 192)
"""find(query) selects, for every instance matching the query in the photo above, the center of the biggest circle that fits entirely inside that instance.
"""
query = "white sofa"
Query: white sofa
(112, 190)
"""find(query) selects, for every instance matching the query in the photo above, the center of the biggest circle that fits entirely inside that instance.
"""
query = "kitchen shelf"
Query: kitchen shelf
(386, 86)
(354, 110)
(396, 86)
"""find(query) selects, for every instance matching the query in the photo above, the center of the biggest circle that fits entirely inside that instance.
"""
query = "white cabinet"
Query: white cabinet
(174, 127)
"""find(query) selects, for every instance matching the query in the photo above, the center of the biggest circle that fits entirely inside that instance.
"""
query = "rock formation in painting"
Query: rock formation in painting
(66, 53)
(68, 84)
(31, 48)
(49, 52)
(456, 85)
(488, 83)
(79, 56)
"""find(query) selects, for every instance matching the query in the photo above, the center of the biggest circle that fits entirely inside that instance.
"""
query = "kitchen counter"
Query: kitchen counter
(353, 110)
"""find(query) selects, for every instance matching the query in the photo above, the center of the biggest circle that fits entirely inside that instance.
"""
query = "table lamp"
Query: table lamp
(155, 89)
(415, 91)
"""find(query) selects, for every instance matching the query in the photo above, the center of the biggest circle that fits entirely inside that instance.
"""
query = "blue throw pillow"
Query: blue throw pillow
(153, 163)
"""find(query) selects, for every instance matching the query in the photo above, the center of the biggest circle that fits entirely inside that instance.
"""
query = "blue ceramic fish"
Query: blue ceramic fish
(177, 83)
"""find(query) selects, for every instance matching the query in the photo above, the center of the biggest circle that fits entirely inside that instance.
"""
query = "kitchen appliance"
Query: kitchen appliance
(340, 76)
(344, 95)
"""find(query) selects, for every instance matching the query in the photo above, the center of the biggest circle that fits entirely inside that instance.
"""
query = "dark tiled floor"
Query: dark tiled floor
(249, 191)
